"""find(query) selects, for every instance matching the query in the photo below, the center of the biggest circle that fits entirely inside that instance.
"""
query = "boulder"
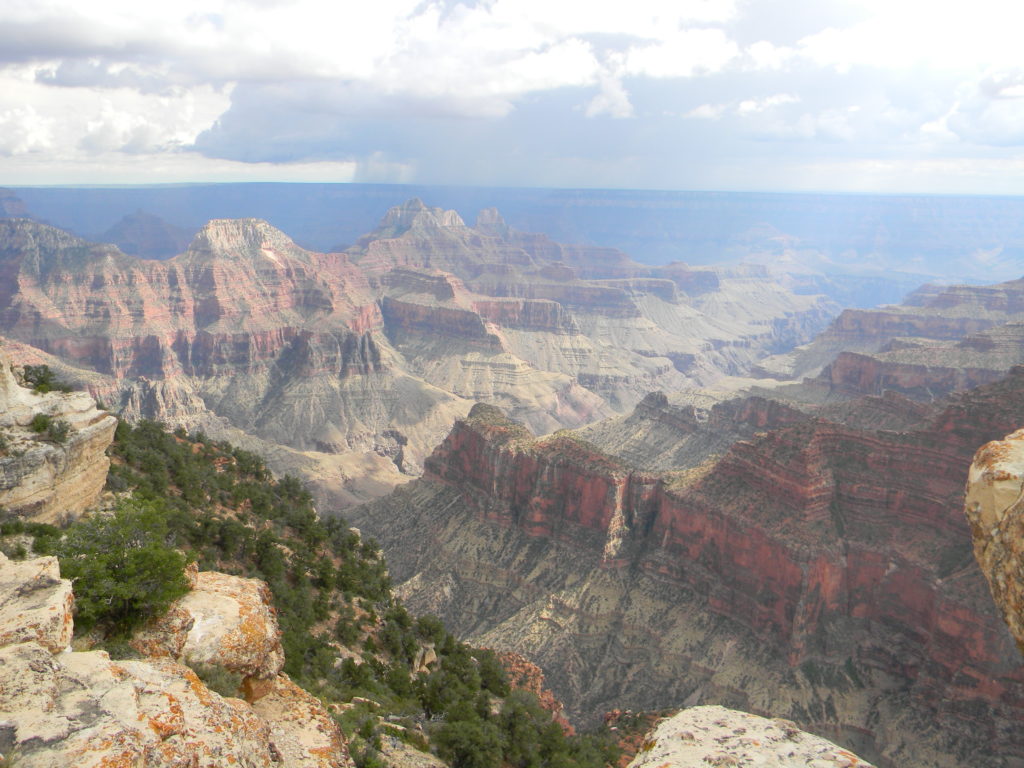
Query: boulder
(301, 729)
(62, 708)
(35, 603)
(225, 621)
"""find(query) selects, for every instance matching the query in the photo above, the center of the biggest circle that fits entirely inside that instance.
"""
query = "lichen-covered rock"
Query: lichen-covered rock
(61, 708)
(35, 603)
(301, 729)
(84, 710)
(226, 621)
(995, 510)
(716, 736)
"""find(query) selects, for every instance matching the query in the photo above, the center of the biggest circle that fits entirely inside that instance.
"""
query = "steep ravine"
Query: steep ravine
(818, 572)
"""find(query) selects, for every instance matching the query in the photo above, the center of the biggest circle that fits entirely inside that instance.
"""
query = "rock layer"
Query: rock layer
(40, 479)
(248, 336)
(818, 572)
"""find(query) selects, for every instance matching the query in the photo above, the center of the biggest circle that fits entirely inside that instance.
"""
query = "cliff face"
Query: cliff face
(63, 707)
(248, 336)
(940, 340)
(818, 572)
(43, 479)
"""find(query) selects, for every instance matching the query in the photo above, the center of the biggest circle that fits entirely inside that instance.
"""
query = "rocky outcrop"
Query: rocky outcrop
(819, 572)
(995, 511)
(524, 675)
(60, 707)
(35, 604)
(223, 621)
(44, 479)
(716, 736)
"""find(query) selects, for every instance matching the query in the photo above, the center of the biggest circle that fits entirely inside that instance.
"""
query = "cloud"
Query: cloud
(686, 53)
(23, 130)
(511, 91)
(611, 100)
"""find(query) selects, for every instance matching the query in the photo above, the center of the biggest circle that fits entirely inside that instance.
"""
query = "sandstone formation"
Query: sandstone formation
(35, 604)
(995, 511)
(306, 356)
(939, 340)
(60, 707)
(716, 736)
(819, 571)
(41, 479)
(224, 621)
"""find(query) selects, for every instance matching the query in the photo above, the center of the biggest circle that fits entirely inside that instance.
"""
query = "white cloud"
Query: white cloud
(23, 130)
(684, 54)
(742, 108)
(611, 100)
(753, 106)
(909, 33)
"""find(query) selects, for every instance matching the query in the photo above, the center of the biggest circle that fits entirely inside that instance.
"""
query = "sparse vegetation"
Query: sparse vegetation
(123, 569)
(49, 428)
(330, 586)
(41, 379)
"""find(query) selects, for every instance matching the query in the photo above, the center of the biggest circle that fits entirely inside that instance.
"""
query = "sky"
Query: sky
(787, 95)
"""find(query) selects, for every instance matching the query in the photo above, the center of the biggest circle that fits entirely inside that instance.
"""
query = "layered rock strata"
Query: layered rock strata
(60, 707)
(374, 352)
(818, 572)
(938, 341)
(42, 479)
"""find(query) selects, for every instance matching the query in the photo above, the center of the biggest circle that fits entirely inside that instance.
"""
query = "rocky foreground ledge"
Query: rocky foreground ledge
(716, 736)
(61, 708)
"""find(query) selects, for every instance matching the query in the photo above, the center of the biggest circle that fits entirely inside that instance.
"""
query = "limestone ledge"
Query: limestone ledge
(60, 707)
(716, 736)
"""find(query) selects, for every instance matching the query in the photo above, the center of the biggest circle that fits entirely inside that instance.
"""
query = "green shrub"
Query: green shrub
(219, 679)
(123, 570)
(57, 431)
(54, 430)
(43, 380)
(40, 423)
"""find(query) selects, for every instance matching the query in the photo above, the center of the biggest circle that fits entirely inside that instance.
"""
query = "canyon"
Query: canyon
(348, 368)
(819, 570)
(663, 485)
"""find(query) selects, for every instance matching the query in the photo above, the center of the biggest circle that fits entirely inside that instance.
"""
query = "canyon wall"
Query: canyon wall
(818, 571)
(349, 367)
